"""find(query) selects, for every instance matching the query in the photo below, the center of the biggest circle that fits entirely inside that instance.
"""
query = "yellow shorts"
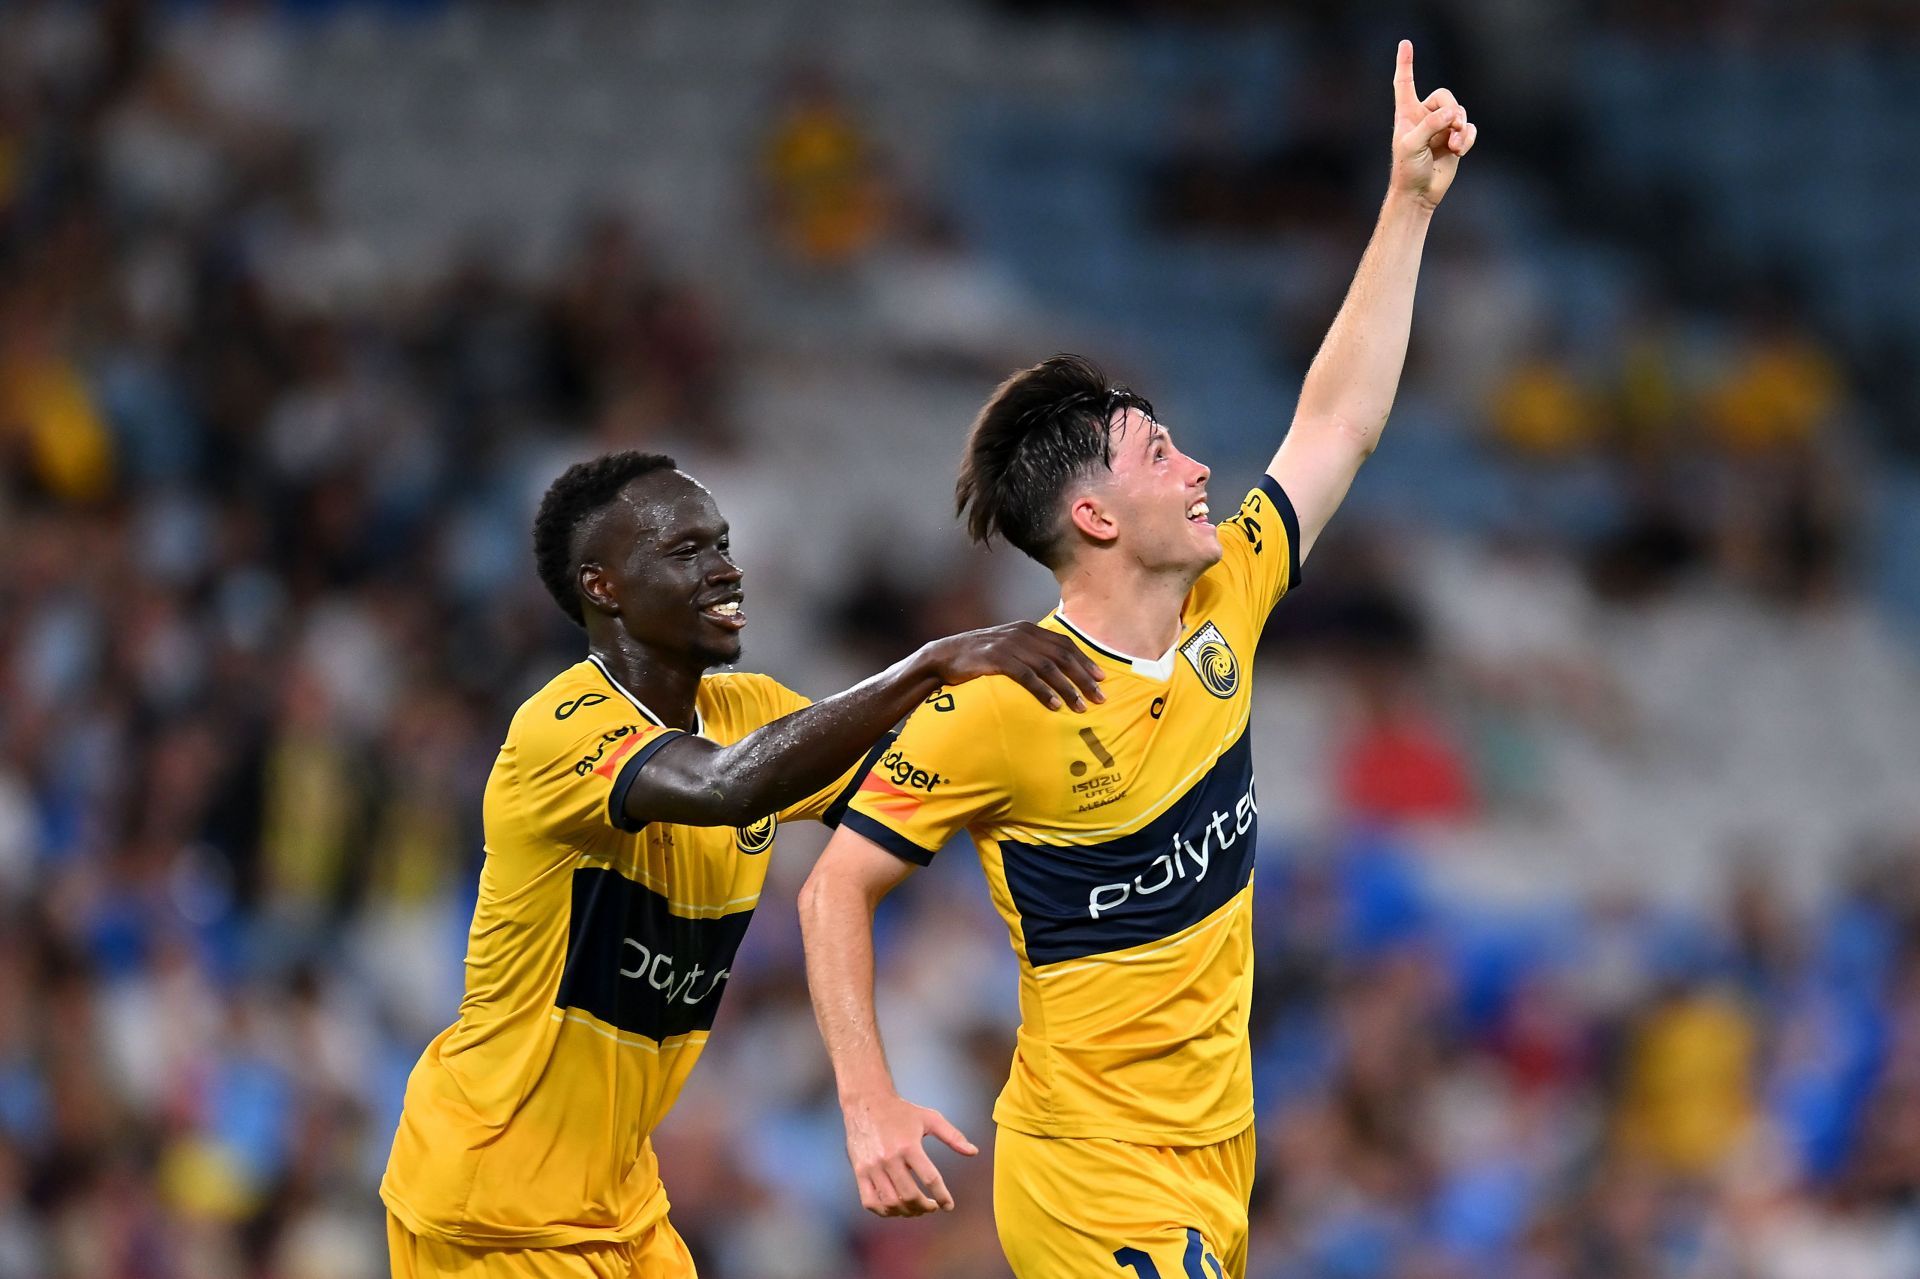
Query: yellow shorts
(660, 1253)
(1090, 1208)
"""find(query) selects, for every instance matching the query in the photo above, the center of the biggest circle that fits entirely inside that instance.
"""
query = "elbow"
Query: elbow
(736, 793)
(832, 890)
(1359, 438)
(814, 895)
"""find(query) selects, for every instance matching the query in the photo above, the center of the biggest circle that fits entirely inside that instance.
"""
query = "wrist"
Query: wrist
(924, 671)
(1403, 205)
(866, 1094)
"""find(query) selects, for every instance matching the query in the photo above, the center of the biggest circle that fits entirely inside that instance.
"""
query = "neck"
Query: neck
(1136, 611)
(668, 687)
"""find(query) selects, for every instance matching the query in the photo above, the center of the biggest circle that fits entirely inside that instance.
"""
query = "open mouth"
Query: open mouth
(725, 614)
(1197, 513)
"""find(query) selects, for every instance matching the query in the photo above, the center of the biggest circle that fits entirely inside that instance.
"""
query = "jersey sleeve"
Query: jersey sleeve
(576, 760)
(771, 701)
(1261, 548)
(945, 771)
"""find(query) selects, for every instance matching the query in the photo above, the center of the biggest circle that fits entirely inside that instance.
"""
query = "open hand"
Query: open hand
(1430, 135)
(890, 1163)
(1045, 663)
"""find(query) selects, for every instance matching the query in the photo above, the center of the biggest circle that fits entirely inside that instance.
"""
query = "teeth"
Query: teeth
(1197, 511)
(726, 610)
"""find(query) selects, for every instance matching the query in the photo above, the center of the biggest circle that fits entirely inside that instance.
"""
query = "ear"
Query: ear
(596, 590)
(1089, 515)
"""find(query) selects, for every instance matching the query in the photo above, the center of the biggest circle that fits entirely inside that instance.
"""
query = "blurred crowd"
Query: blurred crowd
(266, 606)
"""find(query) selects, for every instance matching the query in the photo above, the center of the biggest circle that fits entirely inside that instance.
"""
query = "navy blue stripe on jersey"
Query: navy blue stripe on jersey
(636, 965)
(1088, 899)
(888, 838)
(838, 809)
(617, 797)
(1281, 503)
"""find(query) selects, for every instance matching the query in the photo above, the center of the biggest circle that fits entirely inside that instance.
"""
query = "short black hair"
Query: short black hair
(582, 490)
(1042, 428)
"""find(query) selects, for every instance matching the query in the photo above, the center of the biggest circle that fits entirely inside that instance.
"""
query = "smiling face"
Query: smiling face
(658, 561)
(1151, 506)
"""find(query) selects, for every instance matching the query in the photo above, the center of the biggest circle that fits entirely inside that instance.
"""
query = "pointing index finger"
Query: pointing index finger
(1404, 96)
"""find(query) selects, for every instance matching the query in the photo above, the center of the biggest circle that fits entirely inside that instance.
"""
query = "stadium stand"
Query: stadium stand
(1588, 751)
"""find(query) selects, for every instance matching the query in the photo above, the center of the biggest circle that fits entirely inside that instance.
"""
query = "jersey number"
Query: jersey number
(1197, 1256)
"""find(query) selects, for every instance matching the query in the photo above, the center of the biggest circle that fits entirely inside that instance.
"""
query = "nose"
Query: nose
(1203, 473)
(724, 569)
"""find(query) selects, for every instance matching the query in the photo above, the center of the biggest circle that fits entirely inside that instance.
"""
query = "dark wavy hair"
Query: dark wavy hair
(1045, 427)
(581, 491)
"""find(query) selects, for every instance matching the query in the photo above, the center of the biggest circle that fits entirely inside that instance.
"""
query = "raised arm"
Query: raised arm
(1351, 384)
(884, 1130)
(693, 781)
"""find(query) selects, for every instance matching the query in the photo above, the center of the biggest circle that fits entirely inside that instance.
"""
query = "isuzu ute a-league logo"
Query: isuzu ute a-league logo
(1212, 660)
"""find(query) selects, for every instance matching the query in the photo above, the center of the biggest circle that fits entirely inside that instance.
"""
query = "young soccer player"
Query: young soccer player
(1118, 847)
(627, 820)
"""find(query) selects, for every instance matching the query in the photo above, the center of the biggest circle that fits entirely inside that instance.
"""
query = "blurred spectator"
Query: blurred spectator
(948, 308)
(1779, 390)
(822, 175)
(1400, 765)
(1688, 1096)
(266, 605)
(1541, 410)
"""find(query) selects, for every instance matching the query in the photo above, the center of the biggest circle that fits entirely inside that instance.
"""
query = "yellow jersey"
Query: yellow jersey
(1118, 847)
(597, 958)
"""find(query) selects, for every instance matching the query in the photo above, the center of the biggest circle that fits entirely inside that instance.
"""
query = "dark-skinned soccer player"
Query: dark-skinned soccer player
(628, 818)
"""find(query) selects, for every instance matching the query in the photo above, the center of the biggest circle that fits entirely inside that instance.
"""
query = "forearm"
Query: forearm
(1350, 386)
(795, 756)
(836, 926)
(695, 782)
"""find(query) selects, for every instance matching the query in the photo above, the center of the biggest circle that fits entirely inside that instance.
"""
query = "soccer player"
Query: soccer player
(1118, 847)
(627, 822)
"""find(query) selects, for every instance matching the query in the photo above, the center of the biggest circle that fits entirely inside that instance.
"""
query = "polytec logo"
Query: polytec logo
(1217, 834)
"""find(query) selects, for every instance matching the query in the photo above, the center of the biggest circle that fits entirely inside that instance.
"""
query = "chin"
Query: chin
(1209, 555)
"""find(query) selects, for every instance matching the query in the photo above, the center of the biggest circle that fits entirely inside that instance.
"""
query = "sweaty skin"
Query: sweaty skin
(656, 581)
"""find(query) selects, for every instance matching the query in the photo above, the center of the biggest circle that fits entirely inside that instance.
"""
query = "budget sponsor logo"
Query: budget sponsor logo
(904, 772)
(607, 754)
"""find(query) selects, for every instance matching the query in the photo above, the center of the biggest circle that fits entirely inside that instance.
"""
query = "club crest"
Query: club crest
(758, 837)
(1212, 660)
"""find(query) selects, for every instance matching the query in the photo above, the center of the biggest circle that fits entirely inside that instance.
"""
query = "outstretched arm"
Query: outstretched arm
(884, 1130)
(1351, 384)
(693, 781)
